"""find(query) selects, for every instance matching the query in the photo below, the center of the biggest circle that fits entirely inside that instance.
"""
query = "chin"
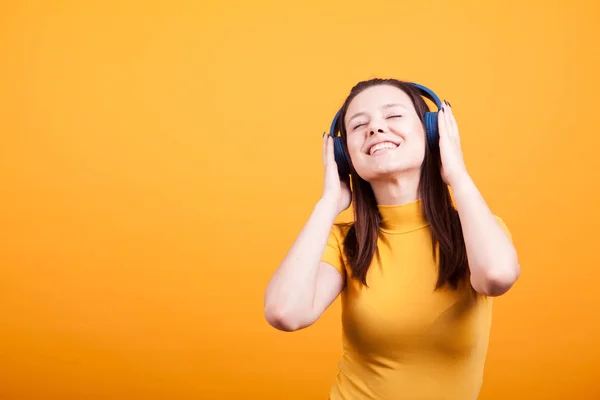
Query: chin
(384, 170)
(386, 165)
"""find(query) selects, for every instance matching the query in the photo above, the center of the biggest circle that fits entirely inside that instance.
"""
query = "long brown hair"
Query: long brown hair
(360, 244)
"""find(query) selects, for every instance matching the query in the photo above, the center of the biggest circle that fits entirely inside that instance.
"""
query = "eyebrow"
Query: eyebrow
(389, 105)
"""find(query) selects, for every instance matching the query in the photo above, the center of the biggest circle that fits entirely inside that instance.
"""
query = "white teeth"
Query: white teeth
(382, 145)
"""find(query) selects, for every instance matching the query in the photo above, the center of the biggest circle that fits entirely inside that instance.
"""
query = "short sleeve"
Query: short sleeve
(333, 253)
(504, 227)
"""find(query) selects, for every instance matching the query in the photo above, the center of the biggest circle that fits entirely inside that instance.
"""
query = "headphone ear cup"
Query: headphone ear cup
(341, 159)
(431, 129)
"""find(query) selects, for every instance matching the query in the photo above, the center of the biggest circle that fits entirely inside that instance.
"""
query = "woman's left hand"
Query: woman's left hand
(453, 165)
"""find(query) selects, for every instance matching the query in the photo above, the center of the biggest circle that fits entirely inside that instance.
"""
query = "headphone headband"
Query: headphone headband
(425, 92)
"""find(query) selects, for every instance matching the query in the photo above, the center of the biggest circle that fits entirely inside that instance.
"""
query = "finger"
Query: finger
(442, 122)
(453, 123)
(324, 149)
(330, 152)
(447, 119)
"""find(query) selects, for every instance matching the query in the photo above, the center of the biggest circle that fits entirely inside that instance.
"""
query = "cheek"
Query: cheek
(354, 147)
(419, 139)
(416, 136)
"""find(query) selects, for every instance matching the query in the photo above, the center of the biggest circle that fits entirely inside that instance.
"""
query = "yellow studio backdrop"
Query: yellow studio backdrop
(157, 160)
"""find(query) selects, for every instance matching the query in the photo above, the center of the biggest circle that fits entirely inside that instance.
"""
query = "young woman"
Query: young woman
(417, 268)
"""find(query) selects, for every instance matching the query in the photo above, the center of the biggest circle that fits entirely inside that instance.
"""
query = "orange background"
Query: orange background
(158, 159)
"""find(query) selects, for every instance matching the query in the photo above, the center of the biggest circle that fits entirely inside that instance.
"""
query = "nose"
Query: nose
(376, 126)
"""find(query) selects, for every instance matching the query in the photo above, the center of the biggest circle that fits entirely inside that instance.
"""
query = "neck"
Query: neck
(398, 189)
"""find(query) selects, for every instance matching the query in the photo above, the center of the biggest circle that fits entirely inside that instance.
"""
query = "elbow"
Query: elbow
(283, 320)
(496, 281)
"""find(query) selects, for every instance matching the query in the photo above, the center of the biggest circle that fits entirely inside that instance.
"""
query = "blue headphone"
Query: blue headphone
(431, 131)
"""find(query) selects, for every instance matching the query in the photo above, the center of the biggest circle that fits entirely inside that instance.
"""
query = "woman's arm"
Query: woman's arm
(493, 259)
(303, 286)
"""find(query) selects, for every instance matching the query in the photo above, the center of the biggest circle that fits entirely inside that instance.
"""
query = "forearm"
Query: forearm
(291, 290)
(493, 260)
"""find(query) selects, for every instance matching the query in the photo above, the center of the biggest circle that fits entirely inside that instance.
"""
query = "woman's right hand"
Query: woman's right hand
(334, 189)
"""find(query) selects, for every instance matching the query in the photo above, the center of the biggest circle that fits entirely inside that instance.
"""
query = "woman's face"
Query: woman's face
(384, 133)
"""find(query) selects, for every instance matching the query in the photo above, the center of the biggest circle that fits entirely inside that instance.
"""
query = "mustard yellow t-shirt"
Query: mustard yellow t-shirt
(401, 338)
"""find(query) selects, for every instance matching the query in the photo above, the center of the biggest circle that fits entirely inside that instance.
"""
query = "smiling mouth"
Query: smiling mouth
(382, 148)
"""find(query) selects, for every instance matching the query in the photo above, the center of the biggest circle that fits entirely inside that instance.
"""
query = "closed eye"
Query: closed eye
(395, 116)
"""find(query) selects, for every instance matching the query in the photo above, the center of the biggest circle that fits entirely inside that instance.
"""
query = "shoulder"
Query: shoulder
(333, 253)
(339, 231)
